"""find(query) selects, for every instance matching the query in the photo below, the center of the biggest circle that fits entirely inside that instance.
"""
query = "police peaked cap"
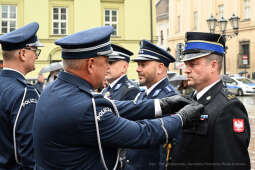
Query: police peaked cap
(21, 38)
(149, 51)
(86, 44)
(200, 44)
(119, 53)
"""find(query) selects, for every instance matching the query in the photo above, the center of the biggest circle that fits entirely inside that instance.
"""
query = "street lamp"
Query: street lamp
(222, 23)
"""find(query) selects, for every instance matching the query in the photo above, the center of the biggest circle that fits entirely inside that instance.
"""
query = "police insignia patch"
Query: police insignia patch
(238, 125)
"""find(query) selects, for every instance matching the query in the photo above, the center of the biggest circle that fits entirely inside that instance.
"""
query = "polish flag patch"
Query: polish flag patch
(238, 125)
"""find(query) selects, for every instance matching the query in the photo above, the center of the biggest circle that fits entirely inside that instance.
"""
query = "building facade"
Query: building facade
(132, 21)
(191, 15)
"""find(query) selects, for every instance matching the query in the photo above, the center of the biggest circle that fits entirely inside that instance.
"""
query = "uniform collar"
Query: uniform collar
(76, 81)
(15, 74)
(211, 92)
(6, 68)
(148, 92)
(202, 92)
(116, 81)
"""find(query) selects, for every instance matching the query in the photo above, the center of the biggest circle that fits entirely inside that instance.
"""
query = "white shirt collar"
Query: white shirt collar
(6, 68)
(154, 85)
(116, 81)
(202, 92)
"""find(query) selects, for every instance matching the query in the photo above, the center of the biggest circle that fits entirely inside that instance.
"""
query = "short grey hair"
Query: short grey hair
(8, 55)
(72, 64)
(216, 57)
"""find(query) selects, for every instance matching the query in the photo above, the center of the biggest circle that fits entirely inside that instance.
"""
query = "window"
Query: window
(195, 15)
(9, 18)
(161, 37)
(244, 57)
(221, 11)
(178, 24)
(246, 9)
(59, 24)
(111, 19)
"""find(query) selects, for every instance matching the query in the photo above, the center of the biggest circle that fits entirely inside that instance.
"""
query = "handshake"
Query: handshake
(189, 111)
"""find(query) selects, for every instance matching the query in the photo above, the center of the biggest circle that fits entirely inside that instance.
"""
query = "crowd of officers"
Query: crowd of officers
(70, 125)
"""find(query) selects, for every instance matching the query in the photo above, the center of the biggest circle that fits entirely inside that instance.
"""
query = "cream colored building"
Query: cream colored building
(133, 20)
(191, 15)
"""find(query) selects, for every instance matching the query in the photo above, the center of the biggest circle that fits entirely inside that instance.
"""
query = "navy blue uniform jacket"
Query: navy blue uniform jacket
(65, 133)
(17, 105)
(152, 158)
(124, 89)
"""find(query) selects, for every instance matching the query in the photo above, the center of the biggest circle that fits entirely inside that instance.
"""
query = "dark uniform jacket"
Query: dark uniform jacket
(17, 105)
(152, 158)
(220, 141)
(124, 89)
(65, 134)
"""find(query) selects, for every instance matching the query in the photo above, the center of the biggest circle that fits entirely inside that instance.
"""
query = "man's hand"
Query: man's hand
(170, 105)
(190, 114)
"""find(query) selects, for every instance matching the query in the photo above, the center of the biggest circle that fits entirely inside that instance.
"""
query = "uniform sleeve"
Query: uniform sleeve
(22, 120)
(136, 110)
(120, 132)
(231, 138)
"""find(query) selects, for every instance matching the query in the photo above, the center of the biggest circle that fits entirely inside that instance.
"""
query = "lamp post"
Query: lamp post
(222, 23)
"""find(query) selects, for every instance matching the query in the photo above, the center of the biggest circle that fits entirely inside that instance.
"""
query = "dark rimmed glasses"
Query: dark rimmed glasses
(36, 50)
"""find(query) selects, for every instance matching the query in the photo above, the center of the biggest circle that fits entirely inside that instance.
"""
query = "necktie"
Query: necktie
(195, 97)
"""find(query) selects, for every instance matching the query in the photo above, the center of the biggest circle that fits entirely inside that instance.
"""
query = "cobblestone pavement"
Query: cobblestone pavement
(252, 142)
(249, 102)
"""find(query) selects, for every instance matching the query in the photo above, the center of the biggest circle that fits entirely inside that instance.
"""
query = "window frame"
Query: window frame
(8, 19)
(110, 22)
(195, 20)
(178, 29)
(247, 9)
(59, 20)
(242, 53)
(221, 10)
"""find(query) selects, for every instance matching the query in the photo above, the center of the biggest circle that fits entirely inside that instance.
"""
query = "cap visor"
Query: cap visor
(35, 44)
(193, 56)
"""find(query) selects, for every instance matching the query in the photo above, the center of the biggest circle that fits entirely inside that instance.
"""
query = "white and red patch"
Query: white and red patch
(238, 125)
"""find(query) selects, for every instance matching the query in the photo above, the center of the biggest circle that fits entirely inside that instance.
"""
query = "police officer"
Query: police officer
(76, 128)
(18, 98)
(220, 141)
(152, 70)
(119, 88)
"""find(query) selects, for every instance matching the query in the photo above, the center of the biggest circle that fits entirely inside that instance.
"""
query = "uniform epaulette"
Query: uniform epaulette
(168, 89)
(228, 94)
(156, 93)
(118, 86)
(22, 81)
(130, 85)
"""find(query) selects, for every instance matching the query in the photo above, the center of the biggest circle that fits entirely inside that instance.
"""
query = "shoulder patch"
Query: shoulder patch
(238, 125)
(102, 112)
